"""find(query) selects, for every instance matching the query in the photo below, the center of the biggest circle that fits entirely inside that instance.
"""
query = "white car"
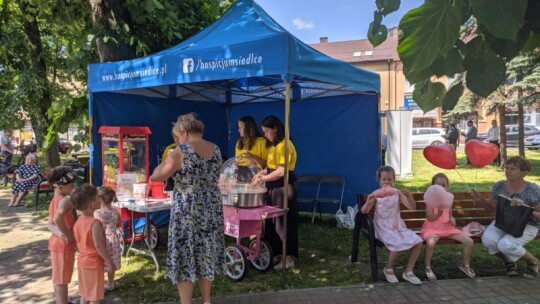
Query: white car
(532, 142)
(423, 137)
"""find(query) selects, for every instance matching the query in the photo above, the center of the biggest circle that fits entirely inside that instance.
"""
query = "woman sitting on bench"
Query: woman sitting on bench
(501, 244)
(26, 177)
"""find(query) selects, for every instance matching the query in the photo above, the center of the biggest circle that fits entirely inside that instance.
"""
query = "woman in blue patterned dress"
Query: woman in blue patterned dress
(26, 177)
(196, 240)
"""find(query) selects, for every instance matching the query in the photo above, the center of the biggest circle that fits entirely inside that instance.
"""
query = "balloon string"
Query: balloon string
(470, 190)
(476, 180)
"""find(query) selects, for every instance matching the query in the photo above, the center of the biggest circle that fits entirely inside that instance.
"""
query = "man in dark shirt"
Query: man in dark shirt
(453, 136)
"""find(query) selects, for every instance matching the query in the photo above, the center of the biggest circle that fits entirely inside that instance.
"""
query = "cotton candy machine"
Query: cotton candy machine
(235, 185)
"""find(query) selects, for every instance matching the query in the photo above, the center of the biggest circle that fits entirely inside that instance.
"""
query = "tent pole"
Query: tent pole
(90, 140)
(286, 178)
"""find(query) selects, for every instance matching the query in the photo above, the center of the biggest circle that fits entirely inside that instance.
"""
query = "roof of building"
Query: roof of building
(360, 50)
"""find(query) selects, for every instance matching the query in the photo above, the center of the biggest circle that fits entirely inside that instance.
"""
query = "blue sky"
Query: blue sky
(339, 20)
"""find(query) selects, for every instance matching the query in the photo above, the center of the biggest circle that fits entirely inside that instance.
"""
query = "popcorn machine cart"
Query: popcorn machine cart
(124, 150)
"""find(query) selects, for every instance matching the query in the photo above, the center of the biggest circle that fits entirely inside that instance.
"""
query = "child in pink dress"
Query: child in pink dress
(110, 219)
(441, 224)
(390, 228)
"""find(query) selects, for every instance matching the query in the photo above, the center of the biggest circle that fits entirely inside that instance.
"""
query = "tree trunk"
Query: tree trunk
(521, 128)
(108, 17)
(39, 65)
(502, 140)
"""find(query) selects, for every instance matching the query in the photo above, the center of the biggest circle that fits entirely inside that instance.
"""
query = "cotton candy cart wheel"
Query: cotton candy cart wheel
(152, 238)
(264, 261)
(236, 262)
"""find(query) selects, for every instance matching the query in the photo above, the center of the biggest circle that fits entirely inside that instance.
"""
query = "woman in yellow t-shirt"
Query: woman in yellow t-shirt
(251, 141)
(274, 176)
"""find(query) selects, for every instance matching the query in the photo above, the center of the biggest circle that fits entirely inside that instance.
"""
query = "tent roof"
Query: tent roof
(243, 56)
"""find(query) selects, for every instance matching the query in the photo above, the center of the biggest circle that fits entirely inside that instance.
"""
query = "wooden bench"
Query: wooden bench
(465, 210)
(43, 187)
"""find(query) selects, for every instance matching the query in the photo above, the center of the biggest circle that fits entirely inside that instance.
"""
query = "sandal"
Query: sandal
(511, 269)
(467, 270)
(411, 278)
(390, 276)
(429, 273)
(108, 287)
(531, 271)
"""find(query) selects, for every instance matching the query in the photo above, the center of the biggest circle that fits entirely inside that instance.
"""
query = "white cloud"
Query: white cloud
(302, 25)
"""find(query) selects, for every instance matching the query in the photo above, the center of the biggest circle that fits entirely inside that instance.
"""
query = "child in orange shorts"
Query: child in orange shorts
(61, 221)
(90, 238)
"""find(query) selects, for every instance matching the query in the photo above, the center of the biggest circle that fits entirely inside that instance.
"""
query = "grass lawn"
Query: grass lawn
(325, 249)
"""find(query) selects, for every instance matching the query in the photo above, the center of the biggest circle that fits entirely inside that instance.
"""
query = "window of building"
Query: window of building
(368, 53)
(357, 54)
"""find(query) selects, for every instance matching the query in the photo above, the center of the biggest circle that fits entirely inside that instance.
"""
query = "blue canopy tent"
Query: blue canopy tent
(247, 64)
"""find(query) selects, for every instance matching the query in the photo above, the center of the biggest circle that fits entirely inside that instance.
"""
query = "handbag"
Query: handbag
(512, 219)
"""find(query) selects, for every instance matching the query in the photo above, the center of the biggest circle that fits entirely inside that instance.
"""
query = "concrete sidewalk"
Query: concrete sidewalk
(465, 291)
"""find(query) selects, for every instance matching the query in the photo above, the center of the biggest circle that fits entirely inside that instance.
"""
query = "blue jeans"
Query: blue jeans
(7, 157)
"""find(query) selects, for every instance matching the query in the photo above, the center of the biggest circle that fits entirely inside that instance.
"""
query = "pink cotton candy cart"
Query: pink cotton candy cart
(245, 222)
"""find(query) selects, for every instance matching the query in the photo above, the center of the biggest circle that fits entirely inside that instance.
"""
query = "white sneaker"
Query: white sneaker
(411, 278)
(390, 276)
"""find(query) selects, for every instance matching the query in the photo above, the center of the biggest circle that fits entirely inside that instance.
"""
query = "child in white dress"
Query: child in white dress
(390, 228)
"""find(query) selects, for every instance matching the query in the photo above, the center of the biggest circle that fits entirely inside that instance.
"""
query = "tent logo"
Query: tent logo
(188, 65)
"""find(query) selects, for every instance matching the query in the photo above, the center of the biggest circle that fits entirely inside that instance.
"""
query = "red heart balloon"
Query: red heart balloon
(443, 156)
(479, 153)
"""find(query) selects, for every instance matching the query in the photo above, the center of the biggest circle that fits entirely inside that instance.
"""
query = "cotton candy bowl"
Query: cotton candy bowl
(436, 196)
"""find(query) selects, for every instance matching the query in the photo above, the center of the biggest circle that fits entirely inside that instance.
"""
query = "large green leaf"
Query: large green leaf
(428, 95)
(449, 64)
(387, 6)
(503, 18)
(532, 43)
(452, 97)
(428, 31)
(377, 35)
(505, 47)
(485, 70)
(532, 15)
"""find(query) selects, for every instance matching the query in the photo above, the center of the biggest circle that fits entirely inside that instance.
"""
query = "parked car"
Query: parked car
(64, 146)
(512, 134)
(532, 142)
(423, 137)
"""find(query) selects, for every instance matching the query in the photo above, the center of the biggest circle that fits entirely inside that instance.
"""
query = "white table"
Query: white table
(147, 207)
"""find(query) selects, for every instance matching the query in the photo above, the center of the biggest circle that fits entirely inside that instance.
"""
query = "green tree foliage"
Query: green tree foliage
(430, 44)
(46, 46)
(35, 49)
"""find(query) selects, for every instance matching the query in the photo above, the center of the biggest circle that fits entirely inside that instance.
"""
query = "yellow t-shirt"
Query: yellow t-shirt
(167, 150)
(259, 149)
(276, 156)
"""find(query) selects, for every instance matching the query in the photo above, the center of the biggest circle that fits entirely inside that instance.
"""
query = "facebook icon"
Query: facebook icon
(188, 65)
